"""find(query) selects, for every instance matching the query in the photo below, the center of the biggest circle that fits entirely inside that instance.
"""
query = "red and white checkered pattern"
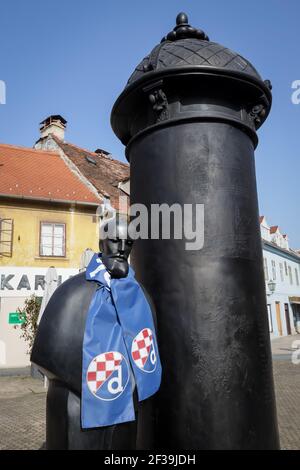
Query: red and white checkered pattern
(141, 346)
(101, 368)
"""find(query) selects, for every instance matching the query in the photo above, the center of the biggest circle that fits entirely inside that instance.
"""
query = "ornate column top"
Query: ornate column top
(183, 30)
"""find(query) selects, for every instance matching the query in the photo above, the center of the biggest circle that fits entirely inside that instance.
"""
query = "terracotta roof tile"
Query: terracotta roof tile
(34, 173)
(274, 228)
(104, 172)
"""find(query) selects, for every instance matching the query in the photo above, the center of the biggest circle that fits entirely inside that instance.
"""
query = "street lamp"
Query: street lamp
(272, 286)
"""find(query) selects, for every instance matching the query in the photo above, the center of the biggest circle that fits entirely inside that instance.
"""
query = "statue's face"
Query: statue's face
(116, 250)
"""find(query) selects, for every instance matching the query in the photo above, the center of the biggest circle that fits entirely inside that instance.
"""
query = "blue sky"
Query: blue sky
(74, 58)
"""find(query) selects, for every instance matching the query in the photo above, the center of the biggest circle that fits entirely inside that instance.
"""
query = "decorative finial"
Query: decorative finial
(183, 30)
(182, 18)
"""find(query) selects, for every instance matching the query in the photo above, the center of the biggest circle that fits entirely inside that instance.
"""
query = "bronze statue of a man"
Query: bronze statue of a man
(58, 352)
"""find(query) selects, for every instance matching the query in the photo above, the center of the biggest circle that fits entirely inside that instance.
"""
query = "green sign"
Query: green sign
(15, 318)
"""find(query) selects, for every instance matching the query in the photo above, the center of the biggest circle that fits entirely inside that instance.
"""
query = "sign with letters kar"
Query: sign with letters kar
(17, 281)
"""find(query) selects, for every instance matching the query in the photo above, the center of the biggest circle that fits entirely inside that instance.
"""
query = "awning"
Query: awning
(294, 300)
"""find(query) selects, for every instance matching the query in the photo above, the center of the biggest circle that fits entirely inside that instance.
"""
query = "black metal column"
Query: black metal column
(217, 387)
(190, 131)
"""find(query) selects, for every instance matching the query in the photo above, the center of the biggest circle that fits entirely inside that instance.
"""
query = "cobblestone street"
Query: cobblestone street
(287, 389)
(23, 399)
(22, 413)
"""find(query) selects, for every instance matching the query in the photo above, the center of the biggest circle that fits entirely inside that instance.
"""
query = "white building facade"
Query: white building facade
(16, 285)
(282, 276)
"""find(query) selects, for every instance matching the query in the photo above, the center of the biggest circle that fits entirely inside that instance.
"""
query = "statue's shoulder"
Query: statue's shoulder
(70, 299)
(57, 348)
(77, 282)
(74, 289)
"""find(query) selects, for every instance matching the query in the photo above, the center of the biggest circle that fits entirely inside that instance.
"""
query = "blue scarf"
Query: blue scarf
(119, 349)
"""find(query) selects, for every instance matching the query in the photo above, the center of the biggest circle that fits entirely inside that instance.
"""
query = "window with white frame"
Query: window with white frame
(266, 269)
(281, 272)
(274, 270)
(52, 239)
(297, 276)
(290, 275)
(270, 318)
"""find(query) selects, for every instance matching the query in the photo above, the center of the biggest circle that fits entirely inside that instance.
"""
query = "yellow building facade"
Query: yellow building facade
(47, 218)
(81, 232)
(22, 273)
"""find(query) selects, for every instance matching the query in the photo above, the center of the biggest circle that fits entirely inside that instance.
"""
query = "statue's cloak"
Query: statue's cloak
(57, 349)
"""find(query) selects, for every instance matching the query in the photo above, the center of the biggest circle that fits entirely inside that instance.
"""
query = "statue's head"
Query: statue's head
(115, 246)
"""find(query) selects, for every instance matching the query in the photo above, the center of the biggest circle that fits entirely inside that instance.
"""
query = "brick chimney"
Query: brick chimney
(54, 124)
